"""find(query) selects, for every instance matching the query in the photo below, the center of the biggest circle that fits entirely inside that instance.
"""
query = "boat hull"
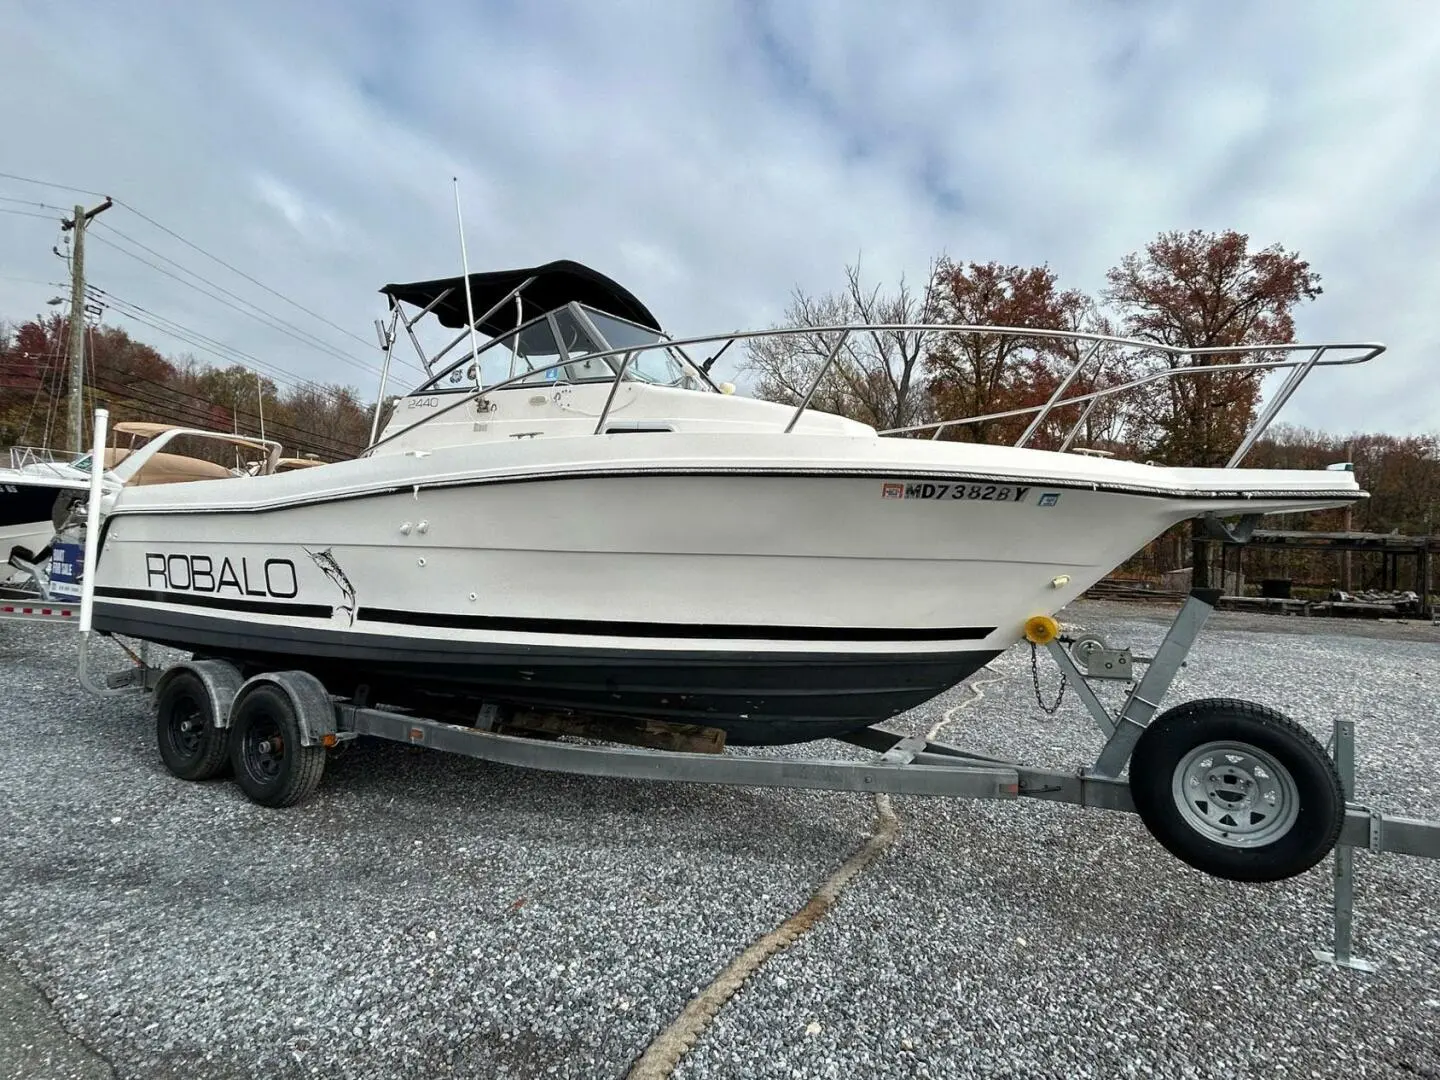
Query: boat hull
(26, 510)
(778, 602)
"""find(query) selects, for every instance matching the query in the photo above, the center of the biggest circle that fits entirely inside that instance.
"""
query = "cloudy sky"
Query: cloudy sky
(715, 155)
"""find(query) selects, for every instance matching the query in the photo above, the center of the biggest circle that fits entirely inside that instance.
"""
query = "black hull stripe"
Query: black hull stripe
(587, 627)
(222, 603)
(947, 476)
(574, 627)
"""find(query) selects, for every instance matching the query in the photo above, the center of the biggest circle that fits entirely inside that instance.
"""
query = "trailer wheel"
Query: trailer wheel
(271, 765)
(191, 746)
(1237, 790)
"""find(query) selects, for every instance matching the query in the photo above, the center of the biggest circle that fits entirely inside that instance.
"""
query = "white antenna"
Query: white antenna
(469, 302)
(260, 397)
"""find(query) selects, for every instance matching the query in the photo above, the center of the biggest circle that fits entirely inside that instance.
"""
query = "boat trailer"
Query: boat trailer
(275, 728)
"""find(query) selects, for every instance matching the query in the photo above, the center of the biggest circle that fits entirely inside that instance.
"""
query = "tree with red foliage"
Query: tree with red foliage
(978, 374)
(32, 376)
(1198, 290)
(136, 383)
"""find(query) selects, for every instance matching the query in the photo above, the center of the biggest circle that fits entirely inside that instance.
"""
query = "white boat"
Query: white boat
(30, 490)
(586, 522)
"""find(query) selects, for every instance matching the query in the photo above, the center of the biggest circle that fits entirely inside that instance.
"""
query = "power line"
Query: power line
(215, 258)
(288, 384)
(46, 183)
(41, 373)
(26, 213)
(305, 338)
(150, 400)
(335, 353)
(31, 202)
(196, 246)
(315, 437)
(323, 390)
(132, 390)
(247, 277)
(228, 353)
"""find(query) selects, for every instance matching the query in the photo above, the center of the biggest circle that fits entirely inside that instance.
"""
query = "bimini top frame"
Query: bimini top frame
(1299, 358)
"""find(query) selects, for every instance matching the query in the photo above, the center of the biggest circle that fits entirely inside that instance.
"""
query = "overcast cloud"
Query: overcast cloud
(713, 156)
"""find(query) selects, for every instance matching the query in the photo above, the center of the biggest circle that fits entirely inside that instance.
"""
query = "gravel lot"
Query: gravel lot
(425, 915)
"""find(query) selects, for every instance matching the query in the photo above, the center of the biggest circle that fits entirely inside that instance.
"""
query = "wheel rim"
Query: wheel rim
(263, 749)
(185, 728)
(1235, 794)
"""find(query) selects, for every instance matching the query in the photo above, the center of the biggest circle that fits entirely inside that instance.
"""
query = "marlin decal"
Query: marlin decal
(326, 561)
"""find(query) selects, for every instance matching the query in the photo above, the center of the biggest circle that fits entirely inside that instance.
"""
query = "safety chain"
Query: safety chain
(1049, 710)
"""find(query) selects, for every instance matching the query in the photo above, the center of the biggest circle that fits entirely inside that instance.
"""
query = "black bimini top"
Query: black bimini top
(556, 284)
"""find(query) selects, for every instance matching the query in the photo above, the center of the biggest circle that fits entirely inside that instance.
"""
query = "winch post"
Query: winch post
(1093, 705)
(1341, 955)
(1144, 701)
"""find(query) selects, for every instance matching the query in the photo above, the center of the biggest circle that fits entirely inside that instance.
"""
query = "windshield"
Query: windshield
(532, 346)
(535, 345)
(658, 363)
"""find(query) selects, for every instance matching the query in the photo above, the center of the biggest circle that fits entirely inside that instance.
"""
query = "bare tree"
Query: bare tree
(876, 377)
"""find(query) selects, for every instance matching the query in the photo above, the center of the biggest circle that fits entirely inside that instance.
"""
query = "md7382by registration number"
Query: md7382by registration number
(936, 491)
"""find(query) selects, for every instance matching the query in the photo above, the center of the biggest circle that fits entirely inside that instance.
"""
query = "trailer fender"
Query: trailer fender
(222, 681)
(313, 705)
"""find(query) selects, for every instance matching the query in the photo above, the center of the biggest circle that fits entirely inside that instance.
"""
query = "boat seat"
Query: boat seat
(33, 564)
(22, 552)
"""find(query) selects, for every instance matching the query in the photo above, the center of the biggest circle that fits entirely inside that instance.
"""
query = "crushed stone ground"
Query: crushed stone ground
(429, 916)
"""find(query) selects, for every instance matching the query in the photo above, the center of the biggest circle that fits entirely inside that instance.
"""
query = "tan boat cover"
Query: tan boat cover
(167, 468)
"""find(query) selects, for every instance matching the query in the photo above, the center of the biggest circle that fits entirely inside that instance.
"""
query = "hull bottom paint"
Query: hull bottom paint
(756, 697)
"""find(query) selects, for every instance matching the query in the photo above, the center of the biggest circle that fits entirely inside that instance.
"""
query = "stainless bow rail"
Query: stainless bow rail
(1182, 362)
(24, 456)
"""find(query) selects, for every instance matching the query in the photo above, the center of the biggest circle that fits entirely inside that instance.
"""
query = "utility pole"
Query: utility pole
(76, 347)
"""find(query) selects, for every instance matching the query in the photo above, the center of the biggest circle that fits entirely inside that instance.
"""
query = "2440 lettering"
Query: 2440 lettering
(978, 492)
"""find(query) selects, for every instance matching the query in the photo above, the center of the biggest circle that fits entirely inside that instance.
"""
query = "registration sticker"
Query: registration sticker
(937, 492)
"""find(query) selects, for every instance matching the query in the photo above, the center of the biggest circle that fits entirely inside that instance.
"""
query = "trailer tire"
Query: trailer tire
(272, 765)
(191, 745)
(1237, 790)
